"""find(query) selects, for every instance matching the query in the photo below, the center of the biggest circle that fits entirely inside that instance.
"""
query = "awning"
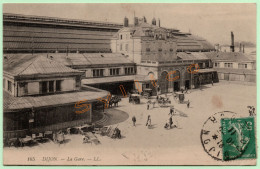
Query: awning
(114, 79)
(18, 103)
(206, 71)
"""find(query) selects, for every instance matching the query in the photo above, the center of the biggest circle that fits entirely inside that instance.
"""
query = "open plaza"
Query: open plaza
(149, 145)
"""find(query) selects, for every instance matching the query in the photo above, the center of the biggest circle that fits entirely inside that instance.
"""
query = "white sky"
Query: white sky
(210, 21)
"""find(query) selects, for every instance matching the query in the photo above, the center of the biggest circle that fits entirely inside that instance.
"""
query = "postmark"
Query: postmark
(211, 134)
(238, 138)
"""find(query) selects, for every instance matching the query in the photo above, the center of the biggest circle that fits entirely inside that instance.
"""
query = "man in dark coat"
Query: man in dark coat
(171, 122)
(134, 120)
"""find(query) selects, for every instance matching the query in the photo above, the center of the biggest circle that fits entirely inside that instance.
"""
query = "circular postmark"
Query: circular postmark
(212, 137)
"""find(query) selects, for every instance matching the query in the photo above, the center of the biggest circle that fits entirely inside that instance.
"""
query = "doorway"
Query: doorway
(176, 86)
(187, 84)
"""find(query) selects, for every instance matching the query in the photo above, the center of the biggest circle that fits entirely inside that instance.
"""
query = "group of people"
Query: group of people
(148, 122)
(169, 123)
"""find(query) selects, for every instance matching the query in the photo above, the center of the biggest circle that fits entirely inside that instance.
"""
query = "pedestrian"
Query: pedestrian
(186, 90)
(147, 106)
(157, 97)
(212, 82)
(149, 121)
(134, 120)
(170, 122)
(171, 110)
(188, 104)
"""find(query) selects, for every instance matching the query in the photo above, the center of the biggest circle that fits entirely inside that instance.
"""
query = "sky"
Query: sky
(213, 22)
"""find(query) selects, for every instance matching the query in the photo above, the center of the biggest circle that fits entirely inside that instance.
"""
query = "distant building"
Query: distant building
(234, 66)
(155, 51)
(40, 94)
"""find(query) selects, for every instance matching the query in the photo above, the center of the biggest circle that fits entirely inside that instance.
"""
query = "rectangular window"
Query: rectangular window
(9, 86)
(44, 88)
(171, 50)
(226, 65)
(160, 49)
(129, 70)
(51, 86)
(246, 66)
(114, 71)
(25, 88)
(121, 36)
(216, 64)
(98, 72)
(148, 49)
(58, 85)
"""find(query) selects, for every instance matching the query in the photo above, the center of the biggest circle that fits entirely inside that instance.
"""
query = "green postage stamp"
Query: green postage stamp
(238, 136)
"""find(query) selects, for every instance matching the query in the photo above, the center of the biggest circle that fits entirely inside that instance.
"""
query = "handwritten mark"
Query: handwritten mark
(138, 86)
(121, 87)
(105, 101)
(153, 80)
(193, 68)
(81, 104)
(169, 78)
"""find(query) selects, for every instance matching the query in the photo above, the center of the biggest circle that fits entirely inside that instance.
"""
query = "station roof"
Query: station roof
(17, 103)
(27, 64)
(59, 61)
(228, 56)
(192, 56)
(84, 59)
(19, 18)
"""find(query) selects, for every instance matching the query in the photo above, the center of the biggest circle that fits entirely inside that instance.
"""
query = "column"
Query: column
(90, 113)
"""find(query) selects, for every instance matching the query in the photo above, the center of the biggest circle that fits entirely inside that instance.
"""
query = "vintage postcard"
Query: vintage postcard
(129, 84)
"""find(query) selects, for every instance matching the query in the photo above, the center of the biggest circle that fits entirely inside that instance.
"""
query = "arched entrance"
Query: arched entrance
(177, 79)
(164, 83)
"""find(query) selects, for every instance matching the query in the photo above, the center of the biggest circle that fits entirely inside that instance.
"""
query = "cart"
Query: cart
(134, 98)
(164, 102)
(180, 97)
(89, 137)
(147, 93)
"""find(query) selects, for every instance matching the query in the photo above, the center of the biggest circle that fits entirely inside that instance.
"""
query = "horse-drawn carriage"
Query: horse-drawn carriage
(179, 96)
(164, 101)
(114, 100)
(134, 98)
(147, 93)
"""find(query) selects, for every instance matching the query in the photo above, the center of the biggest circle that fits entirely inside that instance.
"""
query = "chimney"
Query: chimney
(240, 47)
(243, 48)
(125, 22)
(154, 21)
(232, 47)
(217, 47)
(135, 21)
(144, 19)
(159, 22)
